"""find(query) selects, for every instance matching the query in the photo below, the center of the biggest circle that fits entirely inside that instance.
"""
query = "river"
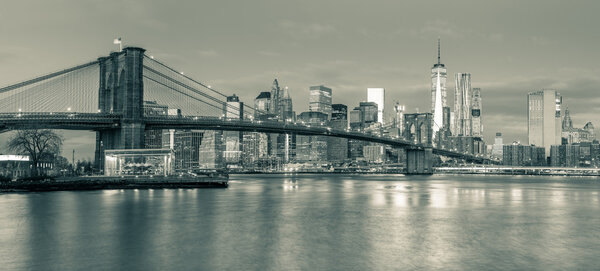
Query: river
(311, 222)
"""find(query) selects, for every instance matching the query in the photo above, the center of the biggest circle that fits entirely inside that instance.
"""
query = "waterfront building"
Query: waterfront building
(320, 100)
(233, 109)
(14, 166)
(497, 148)
(574, 135)
(462, 105)
(377, 95)
(138, 162)
(520, 155)
(168, 136)
(312, 148)
(544, 118)
(251, 151)
(374, 153)
(187, 149)
(565, 155)
(467, 144)
(438, 93)
(211, 150)
(337, 148)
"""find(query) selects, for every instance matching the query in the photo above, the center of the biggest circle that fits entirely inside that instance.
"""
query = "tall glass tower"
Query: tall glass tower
(438, 93)
(462, 105)
(377, 95)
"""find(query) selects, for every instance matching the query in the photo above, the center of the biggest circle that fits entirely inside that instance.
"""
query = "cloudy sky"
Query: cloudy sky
(509, 47)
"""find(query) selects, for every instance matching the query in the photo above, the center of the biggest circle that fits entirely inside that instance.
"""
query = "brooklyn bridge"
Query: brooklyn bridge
(107, 96)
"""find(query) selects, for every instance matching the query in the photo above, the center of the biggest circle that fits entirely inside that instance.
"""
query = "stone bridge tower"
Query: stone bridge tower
(121, 92)
(418, 129)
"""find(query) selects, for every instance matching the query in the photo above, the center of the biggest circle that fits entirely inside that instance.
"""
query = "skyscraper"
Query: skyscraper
(399, 117)
(234, 109)
(544, 118)
(337, 148)
(377, 95)
(320, 100)
(462, 105)
(476, 124)
(498, 146)
(287, 109)
(276, 96)
(438, 93)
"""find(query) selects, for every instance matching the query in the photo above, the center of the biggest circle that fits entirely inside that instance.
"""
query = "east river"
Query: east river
(312, 222)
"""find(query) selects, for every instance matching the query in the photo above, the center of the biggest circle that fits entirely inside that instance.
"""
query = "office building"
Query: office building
(399, 118)
(153, 138)
(337, 148)
(544, 118)
(520, 155)
(377, 95)
(319, 100)
(233, 109)
(211, 150)
(187, 149)
(476, 107)
(565, 155)
(462, 105)
(262, 104)
(497, 148)
(312, 148)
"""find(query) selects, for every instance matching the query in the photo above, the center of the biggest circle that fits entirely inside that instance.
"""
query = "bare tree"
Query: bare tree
(38, 144)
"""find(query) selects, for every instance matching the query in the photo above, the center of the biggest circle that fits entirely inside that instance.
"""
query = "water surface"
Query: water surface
(311, 222)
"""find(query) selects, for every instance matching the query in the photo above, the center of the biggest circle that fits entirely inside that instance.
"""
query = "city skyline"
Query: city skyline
(532, 52)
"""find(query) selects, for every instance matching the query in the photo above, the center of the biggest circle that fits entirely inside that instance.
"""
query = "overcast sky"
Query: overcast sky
(509, 47)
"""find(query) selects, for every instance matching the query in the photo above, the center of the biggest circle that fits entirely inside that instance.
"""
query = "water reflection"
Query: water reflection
(310, 222)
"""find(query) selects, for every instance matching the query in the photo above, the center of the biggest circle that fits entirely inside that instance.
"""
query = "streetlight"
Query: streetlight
(68, 109)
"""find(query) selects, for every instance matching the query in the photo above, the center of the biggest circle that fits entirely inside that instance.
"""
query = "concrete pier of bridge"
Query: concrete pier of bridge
(419, 161)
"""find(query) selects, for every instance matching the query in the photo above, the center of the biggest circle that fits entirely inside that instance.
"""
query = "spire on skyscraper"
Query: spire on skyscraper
(439, 51)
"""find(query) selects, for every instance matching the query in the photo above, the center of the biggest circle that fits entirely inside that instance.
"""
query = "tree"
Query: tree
(40, 145)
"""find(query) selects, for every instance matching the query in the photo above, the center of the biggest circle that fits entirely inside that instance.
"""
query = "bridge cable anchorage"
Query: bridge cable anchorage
(223, 104)
(199, 83)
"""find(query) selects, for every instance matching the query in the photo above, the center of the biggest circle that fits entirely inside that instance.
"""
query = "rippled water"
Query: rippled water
(311, 222)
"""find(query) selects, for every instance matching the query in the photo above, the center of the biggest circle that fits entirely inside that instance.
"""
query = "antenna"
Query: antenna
(438, 50)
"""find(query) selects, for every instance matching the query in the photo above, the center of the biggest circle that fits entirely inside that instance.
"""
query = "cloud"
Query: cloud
(540, 40)
(306, 30)
(208, 53)
(268, 53)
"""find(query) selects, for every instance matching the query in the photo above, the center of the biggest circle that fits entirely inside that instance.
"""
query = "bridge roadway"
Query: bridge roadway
(100, 121)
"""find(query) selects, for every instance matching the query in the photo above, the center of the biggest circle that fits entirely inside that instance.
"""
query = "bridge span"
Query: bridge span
(106, 121)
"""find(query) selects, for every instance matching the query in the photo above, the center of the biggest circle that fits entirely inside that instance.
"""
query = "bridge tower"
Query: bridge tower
(418, 130)
(121, 92)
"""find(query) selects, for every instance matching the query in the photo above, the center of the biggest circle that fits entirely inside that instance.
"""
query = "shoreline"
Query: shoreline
(110, 183)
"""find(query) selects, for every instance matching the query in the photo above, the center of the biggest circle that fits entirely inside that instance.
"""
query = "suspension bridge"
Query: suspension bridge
(107, 96)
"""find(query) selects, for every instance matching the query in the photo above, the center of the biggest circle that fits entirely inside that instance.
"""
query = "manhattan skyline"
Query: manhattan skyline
(509, 49)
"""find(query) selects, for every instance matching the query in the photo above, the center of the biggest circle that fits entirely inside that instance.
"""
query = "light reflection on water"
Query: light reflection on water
(311, 222)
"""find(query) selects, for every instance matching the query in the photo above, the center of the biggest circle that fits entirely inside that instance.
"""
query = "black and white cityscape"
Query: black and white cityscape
(143, 135)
